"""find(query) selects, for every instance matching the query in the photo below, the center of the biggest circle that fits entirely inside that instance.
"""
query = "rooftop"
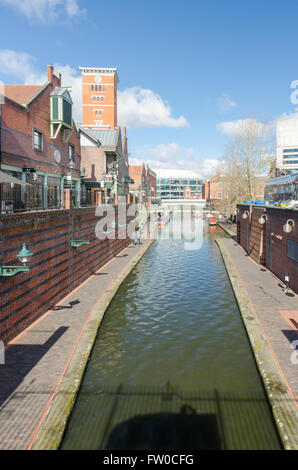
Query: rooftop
(21, 94)
(107, 137)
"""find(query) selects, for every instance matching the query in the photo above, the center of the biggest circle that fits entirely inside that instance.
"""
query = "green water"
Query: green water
(174, 320)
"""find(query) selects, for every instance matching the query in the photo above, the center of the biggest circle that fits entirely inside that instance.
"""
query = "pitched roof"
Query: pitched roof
(61, 91)
(21, 94)
(107, 137)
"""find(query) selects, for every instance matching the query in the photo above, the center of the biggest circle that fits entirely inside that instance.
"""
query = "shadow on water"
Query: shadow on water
(168, 418)
(174, 319)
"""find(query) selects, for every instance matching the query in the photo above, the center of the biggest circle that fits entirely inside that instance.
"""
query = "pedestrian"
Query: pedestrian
(138, 232)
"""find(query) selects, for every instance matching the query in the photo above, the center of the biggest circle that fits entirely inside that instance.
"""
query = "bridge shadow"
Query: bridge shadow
(20, 359)
(164, 431)
(131, 417)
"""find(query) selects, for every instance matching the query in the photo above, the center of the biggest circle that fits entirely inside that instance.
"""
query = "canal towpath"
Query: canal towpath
(271, 320)
(45, 363)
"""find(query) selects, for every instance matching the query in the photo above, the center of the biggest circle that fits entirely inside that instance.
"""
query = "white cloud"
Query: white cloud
(173, 156)
(136, 107)
(225, 103)
(46, 10)
(233, 128)
(22, 66)
(139, 107)
(288, 115)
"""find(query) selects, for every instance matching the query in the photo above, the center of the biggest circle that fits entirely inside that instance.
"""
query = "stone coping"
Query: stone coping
(51, 432)
(283, 407)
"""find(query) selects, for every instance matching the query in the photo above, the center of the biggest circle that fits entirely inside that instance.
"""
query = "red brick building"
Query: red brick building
(212, 191)
(39, 139)
(144, 178)
(104, 162)
(151, 181)
(215, 192)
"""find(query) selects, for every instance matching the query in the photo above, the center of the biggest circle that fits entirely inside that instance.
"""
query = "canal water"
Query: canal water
(172, 346)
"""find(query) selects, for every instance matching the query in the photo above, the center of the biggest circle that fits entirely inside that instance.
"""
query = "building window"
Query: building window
(53, 192)
(103, 88)
(290, 150)
(98, 123)
(71, 152)
(101, 98)
(37, 140)
(98, 112)
(34, 192)
(94, 98)
(98, 98)
(91, 87)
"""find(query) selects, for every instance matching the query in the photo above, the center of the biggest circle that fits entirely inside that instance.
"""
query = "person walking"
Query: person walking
(138, 232)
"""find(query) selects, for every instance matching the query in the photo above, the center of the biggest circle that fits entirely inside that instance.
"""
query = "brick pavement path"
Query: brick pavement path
(277, 312)
(36, 360)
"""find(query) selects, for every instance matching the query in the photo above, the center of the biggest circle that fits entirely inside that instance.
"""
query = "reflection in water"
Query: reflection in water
(174, 320)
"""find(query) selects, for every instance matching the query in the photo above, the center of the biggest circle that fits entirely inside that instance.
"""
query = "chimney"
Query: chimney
(50, 73)
(124, 132)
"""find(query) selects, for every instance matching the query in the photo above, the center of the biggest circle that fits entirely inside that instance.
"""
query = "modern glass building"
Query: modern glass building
(178, 184)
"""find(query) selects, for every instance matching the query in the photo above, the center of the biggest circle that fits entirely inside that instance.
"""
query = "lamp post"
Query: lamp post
(71, 166)
(245, 215)
(287, 228)
(262, 219)
(24, 256)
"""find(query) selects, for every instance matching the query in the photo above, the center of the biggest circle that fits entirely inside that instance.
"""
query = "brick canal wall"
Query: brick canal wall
(268, 244)
(56, 267)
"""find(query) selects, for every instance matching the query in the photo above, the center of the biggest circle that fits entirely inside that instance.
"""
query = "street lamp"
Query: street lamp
(24, 256)
(71, 166)
(262, 219)
(287, 228)
(245, 215)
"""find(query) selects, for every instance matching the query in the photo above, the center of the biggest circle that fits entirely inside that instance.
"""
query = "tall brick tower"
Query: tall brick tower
(99, 92)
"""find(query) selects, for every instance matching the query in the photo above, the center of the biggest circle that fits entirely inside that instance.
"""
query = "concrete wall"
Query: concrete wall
(268, 244)
(56, 268)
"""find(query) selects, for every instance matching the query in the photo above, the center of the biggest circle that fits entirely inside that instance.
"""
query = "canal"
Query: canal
(172, 354)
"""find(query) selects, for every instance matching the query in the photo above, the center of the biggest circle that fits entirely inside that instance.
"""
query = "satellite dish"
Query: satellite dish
(57, 156)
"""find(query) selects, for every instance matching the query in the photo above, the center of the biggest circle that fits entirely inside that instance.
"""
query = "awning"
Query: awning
(5, 178)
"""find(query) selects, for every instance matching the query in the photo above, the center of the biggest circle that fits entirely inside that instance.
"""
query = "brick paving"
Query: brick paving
(36, 360)
(277, 312)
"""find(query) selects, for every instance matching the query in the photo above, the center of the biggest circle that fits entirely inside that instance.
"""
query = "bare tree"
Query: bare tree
(246, 162)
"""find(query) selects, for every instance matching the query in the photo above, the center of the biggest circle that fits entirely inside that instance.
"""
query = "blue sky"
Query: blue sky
(185, 68)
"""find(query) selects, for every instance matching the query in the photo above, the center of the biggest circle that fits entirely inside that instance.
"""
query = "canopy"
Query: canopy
(5, 178)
